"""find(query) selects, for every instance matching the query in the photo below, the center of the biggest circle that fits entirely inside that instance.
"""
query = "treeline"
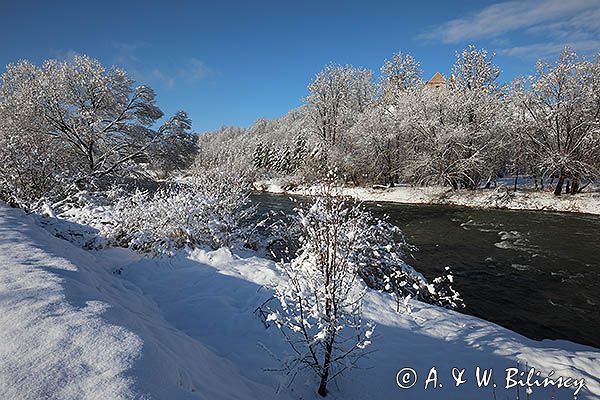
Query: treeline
(464, 134)
(75, 125)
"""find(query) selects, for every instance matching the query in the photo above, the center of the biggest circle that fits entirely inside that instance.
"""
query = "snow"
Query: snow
(505, 198)
(50, 345)
(71, 328)
(112, 324)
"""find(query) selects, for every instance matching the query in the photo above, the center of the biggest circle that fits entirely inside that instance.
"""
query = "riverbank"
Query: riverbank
(114, 324)
(499, 198)
(539, 265)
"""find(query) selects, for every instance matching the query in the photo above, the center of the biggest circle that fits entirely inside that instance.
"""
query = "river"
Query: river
(536, 273)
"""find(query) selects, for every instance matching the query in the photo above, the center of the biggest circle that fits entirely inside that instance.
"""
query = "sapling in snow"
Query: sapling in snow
(343, 251)
(321, 294)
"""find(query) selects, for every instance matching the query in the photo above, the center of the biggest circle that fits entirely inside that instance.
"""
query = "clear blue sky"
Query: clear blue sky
(229, 63)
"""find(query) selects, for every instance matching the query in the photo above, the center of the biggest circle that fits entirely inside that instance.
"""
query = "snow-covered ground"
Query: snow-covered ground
(72, 328)
(502, 197)
(111, 324)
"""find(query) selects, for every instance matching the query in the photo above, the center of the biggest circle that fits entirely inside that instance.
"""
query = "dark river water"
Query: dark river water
(535, 273)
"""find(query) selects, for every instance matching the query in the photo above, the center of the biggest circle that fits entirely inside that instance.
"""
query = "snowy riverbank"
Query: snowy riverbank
(501, 198)
(112, 324)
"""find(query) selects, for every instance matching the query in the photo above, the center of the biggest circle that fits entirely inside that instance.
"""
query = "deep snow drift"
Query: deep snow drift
(111, 324)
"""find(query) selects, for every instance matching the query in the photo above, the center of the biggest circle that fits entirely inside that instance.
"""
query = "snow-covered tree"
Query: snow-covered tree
(299, 152)
(95, 113)
(32, 168)
(261, 156)
(279, 146)
(453, 137)
(380, 154)
(559, 118)
(94, 118)
(337, 95)
(321, 295)
(228, 146)
(456, 136)
(475, 69)
(176, 150)
(283, 159)
(400, 72)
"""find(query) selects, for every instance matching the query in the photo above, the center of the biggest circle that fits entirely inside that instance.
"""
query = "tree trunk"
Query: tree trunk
(326, 365)
(559, 184)
(575, 185)
(453, 183)
(516, 180)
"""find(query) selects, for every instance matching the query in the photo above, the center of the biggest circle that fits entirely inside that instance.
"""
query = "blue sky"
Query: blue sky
(229, 63)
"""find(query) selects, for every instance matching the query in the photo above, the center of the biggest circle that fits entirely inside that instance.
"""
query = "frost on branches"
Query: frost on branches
(382, 267)
(337, 95)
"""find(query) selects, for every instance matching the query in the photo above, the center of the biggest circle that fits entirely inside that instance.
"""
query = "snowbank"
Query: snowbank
(503, 197)
(51, 345)
(72, 328)
(225, 289)
(110, 324)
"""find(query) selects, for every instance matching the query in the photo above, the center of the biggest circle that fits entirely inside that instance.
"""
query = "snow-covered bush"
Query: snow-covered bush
(208, 209)
(85, 218)
(381, 261)
(78, 218)
(382, 267)
(444, 293)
